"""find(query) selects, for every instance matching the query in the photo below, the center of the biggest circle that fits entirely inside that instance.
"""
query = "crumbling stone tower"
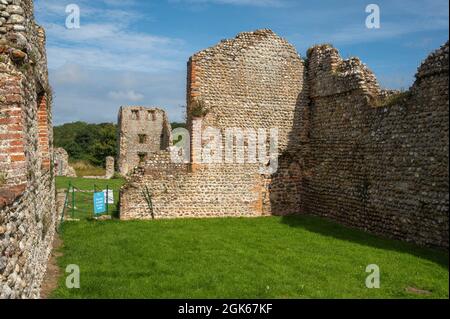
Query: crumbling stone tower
(27, 194)
(142, 131)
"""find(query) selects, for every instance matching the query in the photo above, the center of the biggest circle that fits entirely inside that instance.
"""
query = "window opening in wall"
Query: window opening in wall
(161, 143)
(135, 115)
(152, 115)
(142, 138)
(142, 157)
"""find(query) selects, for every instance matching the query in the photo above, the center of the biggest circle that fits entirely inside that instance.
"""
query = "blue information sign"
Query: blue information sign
(99, 203)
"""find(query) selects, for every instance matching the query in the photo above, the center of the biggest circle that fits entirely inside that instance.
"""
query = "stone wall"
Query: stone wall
(176, 191)
(254, 81)
(62, 167)
(366, 157)
(110, 167)
(27, 194)
(375, 161)
(142, 131)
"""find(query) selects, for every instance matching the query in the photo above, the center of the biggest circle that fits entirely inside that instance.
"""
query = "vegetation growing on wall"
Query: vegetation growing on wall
(198, 109)
(397, 98)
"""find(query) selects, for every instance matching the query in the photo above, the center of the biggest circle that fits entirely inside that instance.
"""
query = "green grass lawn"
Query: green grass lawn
(273, 257)
(84, 168)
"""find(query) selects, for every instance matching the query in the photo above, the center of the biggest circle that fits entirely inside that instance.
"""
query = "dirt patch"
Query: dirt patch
(418, 291)
(53, 273)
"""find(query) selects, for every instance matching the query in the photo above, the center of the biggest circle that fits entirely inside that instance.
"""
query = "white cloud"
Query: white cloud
(106, 63)
(113, 47)
(360, 34)
(107, 39)
(69, 74)
(95, 95)
(126, 95)
(412, 21)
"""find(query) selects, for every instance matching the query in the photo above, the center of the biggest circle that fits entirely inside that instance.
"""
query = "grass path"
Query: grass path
(293, 257)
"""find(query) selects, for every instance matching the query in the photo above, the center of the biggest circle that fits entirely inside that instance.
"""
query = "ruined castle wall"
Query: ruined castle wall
(27, 227)
(378, 164)
(254, 81)
(27, 195)
(62, 166)
(142, 131)
(176, 191)
(368, 158)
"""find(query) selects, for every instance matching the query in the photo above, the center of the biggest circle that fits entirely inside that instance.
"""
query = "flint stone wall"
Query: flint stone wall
(206, 192)
(142, 131)
(62, 167)
(368, 158)
(110, 170)
(27, 194)
(252, 82)
(375, 163)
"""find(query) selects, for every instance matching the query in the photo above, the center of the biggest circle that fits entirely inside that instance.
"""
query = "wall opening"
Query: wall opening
(151, 115)
(135, 115)
(162, 143)
(142, 138)
(142, 157)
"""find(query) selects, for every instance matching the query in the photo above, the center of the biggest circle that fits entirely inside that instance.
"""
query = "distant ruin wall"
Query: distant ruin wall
(142, 131)
(27, 194)
(379, 164)
(110, 167)
(62, 167)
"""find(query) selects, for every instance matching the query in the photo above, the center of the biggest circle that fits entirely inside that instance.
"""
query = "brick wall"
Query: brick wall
(176, 191)
(27, 193)
(12, 151)
(252, 81)
(43, 131)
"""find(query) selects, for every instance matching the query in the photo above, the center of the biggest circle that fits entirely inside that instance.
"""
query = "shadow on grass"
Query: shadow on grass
(331, 229)
(115, 213)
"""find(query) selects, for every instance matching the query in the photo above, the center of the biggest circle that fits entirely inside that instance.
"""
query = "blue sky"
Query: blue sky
(134, 52)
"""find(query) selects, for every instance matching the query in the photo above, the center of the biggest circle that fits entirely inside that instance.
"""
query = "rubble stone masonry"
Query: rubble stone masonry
(374, 162)
(27, 194)
(252, 82)
(62, 166)
(142, 131)
(368, 158)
